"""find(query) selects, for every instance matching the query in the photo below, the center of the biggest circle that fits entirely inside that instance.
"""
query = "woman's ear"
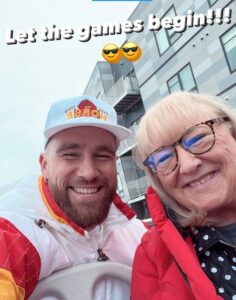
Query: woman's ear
(232, 130)
(230, 127)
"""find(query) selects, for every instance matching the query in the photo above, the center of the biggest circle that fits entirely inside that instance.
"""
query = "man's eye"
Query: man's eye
(70, 155)
(104, 156)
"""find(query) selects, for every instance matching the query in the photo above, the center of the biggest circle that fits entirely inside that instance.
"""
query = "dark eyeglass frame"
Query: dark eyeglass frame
(108, 51)
(133, 49)
(209, 123)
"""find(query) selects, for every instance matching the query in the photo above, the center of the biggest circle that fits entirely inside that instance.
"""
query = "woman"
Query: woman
(187, 145)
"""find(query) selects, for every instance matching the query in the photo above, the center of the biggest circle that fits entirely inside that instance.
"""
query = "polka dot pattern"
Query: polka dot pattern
(213, 270)
(217, 259)
(221, 290)
(220, 258)
(227, 277)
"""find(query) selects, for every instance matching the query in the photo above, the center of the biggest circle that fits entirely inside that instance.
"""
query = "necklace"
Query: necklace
(101, 255)
(100, 238)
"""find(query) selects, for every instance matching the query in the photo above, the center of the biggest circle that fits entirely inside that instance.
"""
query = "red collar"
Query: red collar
(61, 217)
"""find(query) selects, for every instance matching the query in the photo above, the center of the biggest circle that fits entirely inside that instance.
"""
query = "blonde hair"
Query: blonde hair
(159, 126)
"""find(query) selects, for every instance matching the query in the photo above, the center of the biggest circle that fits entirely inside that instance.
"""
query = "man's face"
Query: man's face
(80, 165)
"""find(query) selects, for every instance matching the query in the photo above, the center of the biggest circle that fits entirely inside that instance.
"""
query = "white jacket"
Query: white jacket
(59, 242)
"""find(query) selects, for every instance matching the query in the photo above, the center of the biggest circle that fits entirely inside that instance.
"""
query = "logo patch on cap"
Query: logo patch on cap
(86, 108)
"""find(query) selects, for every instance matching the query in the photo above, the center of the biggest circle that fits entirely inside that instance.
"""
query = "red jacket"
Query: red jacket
(159, 258)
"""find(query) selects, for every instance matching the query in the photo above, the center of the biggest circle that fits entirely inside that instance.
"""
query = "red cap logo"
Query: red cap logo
(86, 108)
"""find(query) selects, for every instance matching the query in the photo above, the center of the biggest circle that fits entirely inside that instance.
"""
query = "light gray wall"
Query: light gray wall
(199, 46)
(100, 80)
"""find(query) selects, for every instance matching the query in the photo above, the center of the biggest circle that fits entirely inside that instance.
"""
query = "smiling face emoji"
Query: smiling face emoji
(131, 51)
(111, 53)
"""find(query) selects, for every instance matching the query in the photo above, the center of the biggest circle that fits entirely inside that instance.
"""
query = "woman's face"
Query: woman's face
(206, 181)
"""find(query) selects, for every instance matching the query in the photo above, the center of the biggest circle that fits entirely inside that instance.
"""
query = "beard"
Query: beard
(86, 214)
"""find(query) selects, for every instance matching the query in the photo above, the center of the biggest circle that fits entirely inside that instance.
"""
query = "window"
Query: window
(119, 185)
(228, 41)
(212, 2)
(182, 81)
(166, 37)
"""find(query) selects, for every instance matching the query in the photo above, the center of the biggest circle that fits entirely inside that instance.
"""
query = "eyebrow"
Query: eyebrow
(68, 146)
(106, 149)
(74, 146)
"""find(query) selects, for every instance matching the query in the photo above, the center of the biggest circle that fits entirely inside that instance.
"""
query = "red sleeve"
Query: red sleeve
(145, 281)
(19, 263)
(146, 225)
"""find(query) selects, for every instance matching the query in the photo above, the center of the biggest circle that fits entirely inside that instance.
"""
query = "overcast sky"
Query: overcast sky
(33, 75)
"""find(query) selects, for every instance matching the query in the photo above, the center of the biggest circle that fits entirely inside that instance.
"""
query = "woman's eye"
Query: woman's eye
(164, 157)
(193, 140)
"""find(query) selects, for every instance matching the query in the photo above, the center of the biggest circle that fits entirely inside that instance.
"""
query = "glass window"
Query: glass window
(166, 37)
(173, 35)
(162, 41)
(119, 184)
(182, 81)
(174, 85)
(212, 2)
(228, 41)
(186, 77)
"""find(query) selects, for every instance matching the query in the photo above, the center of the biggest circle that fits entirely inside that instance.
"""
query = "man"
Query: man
(71, 214)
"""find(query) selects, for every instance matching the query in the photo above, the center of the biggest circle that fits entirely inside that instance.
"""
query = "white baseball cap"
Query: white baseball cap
(83, 111)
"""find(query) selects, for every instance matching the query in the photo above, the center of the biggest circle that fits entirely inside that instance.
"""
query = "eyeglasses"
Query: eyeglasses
(133, 49)
(107, 51)
(197, 140)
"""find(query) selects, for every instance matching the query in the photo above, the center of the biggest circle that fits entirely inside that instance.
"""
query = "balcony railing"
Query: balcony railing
(137, 187)
(124, 86)
(130, 141)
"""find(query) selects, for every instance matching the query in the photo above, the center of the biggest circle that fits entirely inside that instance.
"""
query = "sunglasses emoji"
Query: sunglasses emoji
(131, 51)
(111, 53)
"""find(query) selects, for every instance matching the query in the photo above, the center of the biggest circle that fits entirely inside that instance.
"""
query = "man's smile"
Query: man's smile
(85, 190)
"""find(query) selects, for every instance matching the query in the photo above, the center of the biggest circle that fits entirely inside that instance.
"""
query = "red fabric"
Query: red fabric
(123, 207)
(156, 275)
(146, 225)
(56, 209)
(19, 256)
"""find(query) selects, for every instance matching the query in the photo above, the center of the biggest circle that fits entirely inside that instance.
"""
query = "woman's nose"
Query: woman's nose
(188, 162)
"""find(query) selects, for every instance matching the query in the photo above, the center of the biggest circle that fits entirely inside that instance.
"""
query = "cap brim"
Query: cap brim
(118, 131)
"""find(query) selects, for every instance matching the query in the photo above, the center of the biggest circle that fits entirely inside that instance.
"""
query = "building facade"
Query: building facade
(199, 58)
(202, 58)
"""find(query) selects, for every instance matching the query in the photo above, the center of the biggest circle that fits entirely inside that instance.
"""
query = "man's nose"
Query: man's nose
(87, 169)
(188, 162)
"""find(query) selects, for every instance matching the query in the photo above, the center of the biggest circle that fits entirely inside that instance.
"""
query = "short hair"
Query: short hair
(158, 127)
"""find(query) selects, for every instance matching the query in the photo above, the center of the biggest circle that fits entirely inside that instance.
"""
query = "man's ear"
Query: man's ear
(43, 165)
